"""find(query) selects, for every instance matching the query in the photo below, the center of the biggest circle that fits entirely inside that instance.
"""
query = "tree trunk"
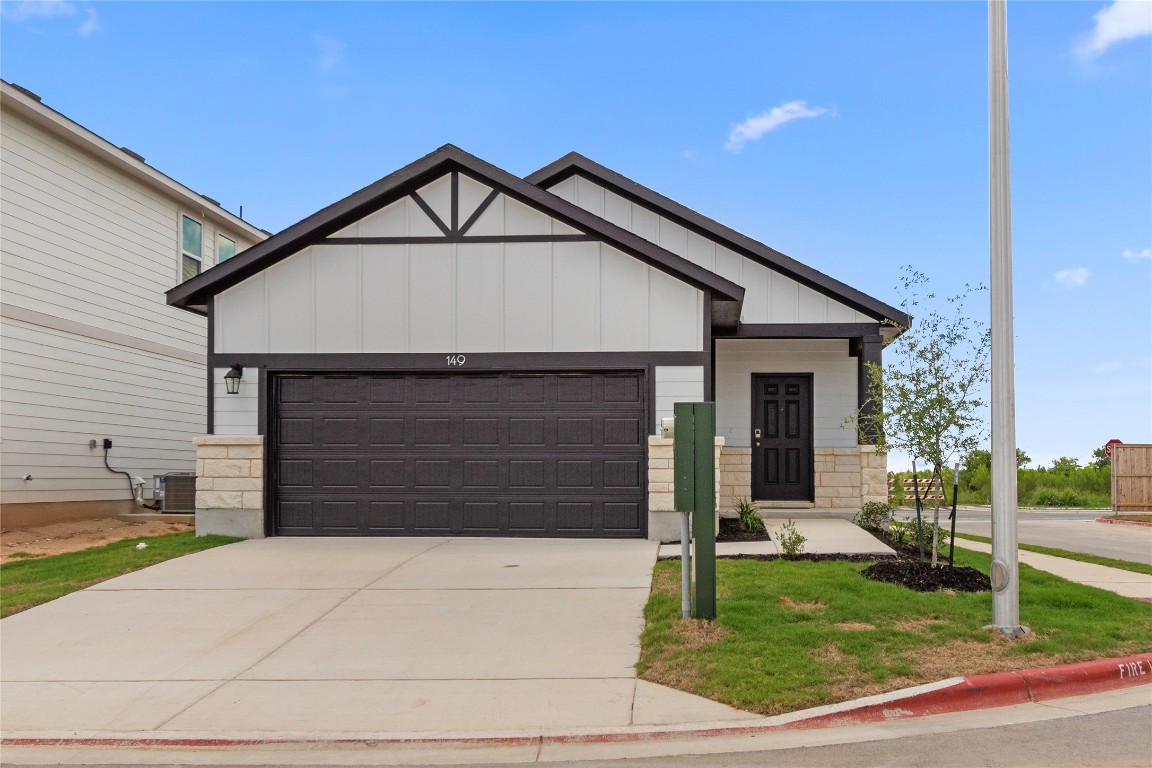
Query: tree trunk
(937, 478)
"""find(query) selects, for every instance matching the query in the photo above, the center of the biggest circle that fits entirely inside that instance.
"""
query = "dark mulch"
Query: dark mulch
(730, 530)
(922, 577)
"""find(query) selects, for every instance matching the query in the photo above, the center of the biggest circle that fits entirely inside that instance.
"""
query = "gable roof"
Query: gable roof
(574, 164)
(193, 294)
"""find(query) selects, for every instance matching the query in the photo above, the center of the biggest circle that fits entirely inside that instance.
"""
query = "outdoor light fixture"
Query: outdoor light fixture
(232, 379)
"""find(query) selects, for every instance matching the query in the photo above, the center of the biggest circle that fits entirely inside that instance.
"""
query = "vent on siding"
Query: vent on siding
(179, 493)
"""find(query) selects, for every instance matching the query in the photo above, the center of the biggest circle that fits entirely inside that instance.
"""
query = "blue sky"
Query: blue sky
(851, 136)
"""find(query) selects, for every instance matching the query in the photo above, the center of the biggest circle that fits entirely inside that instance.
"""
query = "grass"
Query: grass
(840, 636)
(1126, 565)
(29, 583)
(1132, 518)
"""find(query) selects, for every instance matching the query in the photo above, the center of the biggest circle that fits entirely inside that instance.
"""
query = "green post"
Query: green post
(683, 457)
(704, 510)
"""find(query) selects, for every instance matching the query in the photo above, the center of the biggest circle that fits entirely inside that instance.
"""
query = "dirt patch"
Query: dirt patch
(695, 633)
(801, 606)
(855, 626)
(74, 535)
(917, 626)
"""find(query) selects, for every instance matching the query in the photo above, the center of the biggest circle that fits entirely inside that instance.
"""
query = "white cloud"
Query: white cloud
(690, 154)
(1143, 255)
(1072, 278)
(1110, 367)
(90, 25)
(36, 9)
(1120, 21)
(755, 127)
(25, 10)
(329, 51)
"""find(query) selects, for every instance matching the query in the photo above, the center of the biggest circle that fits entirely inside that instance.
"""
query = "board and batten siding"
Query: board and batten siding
(834, 384)
(770, 297)
(91, 350)
(574, 296)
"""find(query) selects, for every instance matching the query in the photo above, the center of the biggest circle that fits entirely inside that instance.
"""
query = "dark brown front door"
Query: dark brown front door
(782, 437)
(500, 454)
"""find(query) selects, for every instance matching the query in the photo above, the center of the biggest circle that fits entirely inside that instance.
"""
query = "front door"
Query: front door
(782, 437)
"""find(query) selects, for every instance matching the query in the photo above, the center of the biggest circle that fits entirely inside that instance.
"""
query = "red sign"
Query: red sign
(1108, 447)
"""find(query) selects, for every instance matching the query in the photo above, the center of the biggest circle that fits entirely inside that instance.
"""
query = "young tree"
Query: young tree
(1100, 459)
(928, 399)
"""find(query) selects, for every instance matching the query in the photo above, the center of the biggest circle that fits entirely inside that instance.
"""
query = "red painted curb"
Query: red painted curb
(998, 689)
(1110, 521)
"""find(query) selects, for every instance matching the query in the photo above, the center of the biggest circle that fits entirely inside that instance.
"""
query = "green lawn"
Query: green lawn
(840, 636)
(28, 583)
(1126, 565)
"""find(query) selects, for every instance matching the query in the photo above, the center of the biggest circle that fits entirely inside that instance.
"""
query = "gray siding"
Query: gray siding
(90, 348)
(834, 385)
(236, 414)
(676, 384)
(769, 296)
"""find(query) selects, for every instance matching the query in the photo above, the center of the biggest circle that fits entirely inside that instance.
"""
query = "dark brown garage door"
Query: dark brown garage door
(482, 455)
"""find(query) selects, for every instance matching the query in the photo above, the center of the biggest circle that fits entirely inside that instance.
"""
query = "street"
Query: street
(1074, 530)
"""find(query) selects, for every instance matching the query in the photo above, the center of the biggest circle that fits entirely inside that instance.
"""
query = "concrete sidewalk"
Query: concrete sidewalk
(337, 636)
(823, 536)
(1126, 583)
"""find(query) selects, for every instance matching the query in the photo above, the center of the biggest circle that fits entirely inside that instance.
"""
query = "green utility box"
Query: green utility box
(694, 471)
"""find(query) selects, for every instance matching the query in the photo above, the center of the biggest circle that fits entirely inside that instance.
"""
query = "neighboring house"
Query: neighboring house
(456, 350)
(90, 238)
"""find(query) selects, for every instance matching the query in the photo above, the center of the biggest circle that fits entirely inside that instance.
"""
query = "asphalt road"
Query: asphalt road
(1073, 530)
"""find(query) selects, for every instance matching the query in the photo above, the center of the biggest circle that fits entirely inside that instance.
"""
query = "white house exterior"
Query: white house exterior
(90, 238)
(455, 350)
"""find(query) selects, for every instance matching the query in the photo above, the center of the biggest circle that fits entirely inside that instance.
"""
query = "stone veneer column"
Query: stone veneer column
(874, 474)
(663, 519)
(230, 485)
(735, 478)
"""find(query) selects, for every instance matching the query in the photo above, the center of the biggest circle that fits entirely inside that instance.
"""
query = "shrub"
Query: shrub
(874, 514)
(904, 531)
(790, 540)
(750, 519)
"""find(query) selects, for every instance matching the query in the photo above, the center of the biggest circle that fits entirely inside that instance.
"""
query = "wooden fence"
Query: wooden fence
(1131, 478)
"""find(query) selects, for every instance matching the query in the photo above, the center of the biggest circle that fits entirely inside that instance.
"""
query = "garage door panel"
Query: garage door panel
(489, 454)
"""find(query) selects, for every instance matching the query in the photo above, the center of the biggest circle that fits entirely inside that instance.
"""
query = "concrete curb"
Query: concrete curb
(1000, 689)
(1111, 521)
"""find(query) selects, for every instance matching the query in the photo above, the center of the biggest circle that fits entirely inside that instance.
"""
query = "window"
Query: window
(225, 248)
(191, 234)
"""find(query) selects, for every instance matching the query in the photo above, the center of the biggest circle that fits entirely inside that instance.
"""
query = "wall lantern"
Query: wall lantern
(232, 379)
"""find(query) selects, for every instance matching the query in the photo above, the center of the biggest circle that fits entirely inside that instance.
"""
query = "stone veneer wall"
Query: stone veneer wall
(845, 477)
(230, 485)
(663, 519)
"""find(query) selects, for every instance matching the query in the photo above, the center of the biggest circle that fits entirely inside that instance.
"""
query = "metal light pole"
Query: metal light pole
(1005, 567)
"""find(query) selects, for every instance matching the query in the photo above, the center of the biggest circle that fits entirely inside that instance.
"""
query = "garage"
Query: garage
(494, 454)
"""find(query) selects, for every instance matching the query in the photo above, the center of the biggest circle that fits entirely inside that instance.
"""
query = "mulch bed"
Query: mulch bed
(908, 571)
(730, 530)
(922, 577)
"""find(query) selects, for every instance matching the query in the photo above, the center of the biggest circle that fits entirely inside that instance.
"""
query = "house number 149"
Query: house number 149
(456, 359)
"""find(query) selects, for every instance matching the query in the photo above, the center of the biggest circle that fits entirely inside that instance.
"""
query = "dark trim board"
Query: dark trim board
(575, 164)
(453, 238)
(435, 362)
(211, 416)
(801, 331)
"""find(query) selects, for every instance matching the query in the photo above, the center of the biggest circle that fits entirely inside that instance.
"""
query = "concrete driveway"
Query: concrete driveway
(345, 637)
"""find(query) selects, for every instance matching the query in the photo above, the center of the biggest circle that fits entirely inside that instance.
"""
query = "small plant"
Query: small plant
(791, 541)
(750, 519)
(904, 532)
(874, 514)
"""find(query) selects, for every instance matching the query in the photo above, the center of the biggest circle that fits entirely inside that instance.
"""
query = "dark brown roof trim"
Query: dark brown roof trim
(574, 164)
(192, 294)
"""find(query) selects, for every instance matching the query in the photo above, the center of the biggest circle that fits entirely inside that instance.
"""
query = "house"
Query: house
(457, 350)
(90, 238)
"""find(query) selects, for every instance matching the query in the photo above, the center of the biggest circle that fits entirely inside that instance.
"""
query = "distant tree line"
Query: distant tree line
(1064, 483)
